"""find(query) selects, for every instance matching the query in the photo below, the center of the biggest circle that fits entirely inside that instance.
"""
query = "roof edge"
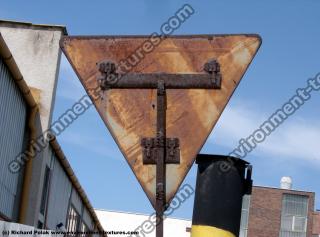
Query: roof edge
(288, 190)
(29, 24)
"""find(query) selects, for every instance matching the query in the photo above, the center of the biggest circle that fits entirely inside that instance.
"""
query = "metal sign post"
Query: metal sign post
(160, 150)
(138, 85)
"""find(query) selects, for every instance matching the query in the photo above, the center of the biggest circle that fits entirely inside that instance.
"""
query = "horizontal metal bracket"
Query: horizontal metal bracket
(111, 79)
(150, 150)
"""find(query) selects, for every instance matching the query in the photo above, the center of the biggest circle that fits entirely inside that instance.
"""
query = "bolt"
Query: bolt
(212, 66)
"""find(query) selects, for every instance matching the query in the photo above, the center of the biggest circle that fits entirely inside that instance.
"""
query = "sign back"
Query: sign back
(130, 114)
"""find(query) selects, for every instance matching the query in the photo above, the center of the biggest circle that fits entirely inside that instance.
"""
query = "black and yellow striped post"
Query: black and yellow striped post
(221, 183)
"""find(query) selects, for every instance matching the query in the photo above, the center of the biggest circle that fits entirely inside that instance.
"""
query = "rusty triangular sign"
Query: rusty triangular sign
(191, 113)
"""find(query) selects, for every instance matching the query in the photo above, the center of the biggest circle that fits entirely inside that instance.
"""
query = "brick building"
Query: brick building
(316, 224)
(279, 212)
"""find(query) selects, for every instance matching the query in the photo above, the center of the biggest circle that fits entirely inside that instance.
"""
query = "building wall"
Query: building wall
(264, 216)
(36, 180)
(76, 201)
(59, 196)
(265, 211)
(62, 195)
(87, 219)
(13, 113)
(316, 224)
(35, 48)
(37, 53)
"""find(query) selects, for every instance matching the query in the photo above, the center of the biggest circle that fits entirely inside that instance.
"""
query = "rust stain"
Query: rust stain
(191, 114)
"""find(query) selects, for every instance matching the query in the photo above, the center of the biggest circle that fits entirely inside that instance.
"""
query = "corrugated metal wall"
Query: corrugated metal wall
(76, 201)
(59, 195)
(13, 112)
(87, 219)
(59, 198)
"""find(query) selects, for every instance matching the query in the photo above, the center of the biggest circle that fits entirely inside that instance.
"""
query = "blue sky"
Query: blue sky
(289, 55)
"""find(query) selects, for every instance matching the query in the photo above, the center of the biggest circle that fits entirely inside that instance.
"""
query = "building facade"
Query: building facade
(268, 212)
(38, 188)
(276, 212)
(316, 224)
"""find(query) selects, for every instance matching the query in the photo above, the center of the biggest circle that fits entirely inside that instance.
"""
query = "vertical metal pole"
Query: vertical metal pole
(161, 166)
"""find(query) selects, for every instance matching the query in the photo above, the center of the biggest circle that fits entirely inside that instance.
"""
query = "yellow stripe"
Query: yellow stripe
(209, 231)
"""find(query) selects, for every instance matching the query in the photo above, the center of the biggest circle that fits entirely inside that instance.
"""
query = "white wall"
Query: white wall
(121, 221)
(37, 53)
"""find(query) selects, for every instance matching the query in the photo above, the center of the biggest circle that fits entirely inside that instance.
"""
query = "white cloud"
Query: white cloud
(296, 138)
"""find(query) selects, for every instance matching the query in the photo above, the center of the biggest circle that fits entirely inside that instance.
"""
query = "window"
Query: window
(73, 220)
(244, 216)
(294, 216)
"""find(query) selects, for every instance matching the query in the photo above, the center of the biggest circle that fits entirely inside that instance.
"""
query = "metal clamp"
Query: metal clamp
(213, 67)
(109, 74)
(150, 150)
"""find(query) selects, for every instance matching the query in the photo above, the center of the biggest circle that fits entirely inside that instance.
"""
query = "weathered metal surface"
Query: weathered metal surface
(172, 81)
(155, 150)
(191, 113)
(150, 150)
(111, 79)
(161, 165)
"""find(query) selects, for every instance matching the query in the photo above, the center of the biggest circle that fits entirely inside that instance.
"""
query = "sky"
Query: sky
(288, 57)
